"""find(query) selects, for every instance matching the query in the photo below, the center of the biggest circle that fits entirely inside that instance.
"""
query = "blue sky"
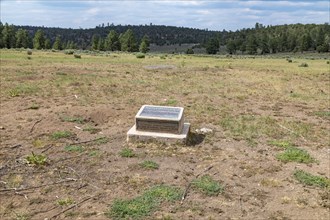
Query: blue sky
(213, 15)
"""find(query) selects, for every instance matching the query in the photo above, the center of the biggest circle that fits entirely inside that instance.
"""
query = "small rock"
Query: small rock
(204, 130)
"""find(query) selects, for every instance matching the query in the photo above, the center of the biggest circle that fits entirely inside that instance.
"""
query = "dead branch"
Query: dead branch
(35, 187)
(185, 193)
(70, 207)
(35, 125)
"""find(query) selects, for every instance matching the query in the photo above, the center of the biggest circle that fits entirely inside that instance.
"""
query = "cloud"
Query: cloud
(214, 15)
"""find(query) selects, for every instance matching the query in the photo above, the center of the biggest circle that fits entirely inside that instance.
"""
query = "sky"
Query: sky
(202, 14)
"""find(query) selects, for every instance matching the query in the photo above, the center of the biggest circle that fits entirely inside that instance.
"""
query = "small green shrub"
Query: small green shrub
(29, 52)
(311, 180)
(34, 106)
(126, 152)
(328, 62)
(293, 154)
(148, 164)
(36, 159)
(78, 56)
(91, 130)
(303, 65)
(289, 60)
(140, 55)
(61, 134)
(69, 52)
(207, 185)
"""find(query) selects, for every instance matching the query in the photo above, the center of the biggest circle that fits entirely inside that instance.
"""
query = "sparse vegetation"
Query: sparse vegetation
(143, 205)
(74, 148)
(126, 152)
(207, 185)
(148, 164)
(75, 119)
(293, 154)
(65, 202)
(140, 55)
(311, 180)
(61, 134)
(36, 159)
(78, 56)
(303, 65)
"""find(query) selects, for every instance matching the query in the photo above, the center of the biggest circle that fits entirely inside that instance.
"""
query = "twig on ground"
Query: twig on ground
(15, 146)
(35, 187)
(35, 125)
(50, 146)
(185, 193)
(70, 207)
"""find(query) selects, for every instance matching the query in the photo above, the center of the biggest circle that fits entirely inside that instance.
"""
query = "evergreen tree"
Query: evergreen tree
(251, 46)
(95, 42)
(231, 46)
(144, 46)
(39, 40)
(8, 36)
(22, 38)
(100, 45)
(212, 46)
(1, 35)
(47, 44)
(128, 42)
(305, 42)
(112, 41)
(263, 43)
(57, 44)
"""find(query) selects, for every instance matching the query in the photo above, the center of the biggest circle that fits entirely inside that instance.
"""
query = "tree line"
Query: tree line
(258, 40)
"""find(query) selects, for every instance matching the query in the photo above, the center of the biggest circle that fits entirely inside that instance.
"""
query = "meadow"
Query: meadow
(64, 155)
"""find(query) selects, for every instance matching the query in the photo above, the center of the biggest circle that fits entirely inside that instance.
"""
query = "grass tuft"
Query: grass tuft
(207, 185)
(281, 143)
(74, 148)
(76, 119)
(150, 165)
(293, 154)
(126, 152)
(36, 159)
(311, 180)
(61, 134)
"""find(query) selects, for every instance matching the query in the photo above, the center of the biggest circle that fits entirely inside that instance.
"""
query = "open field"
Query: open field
(63, 124)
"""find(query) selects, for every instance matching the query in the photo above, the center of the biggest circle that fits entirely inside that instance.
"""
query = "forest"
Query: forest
(260, 39)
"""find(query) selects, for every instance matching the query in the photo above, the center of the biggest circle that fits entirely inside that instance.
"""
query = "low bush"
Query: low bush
(140, 55)
(29, 52)
(78, 56)
(303, 65)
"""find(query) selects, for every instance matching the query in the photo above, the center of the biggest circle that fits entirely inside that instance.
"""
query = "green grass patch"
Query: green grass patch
(36, 159)
(75, 119)
(61, 134)
(323, 114)
(101, 140)
(126, 152)
(293, 154)
(74, 148)
(281, 143)
(150, 165)
(250, 127)
(144, 204)
(23, 89)
(311, 180)
(34, 106)
(207, 185)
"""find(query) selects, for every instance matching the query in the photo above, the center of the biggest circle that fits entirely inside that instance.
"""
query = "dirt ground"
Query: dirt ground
(247, 102)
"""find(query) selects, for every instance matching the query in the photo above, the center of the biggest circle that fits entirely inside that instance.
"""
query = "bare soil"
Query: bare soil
(257, 185)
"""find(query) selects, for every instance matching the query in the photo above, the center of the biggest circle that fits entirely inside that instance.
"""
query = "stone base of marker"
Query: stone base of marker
(134, 135)
(159, 123)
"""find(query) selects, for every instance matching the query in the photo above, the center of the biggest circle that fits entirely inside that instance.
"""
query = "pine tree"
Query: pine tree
(22, 38)
(39, 40)
(100, 45)
(212, 46)
(128, 42)
(112, 41)
(8, 36)
(57, 44)
(144, 46)
(1, 35)
(251, 46)
(47, 44)
(95, 42)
